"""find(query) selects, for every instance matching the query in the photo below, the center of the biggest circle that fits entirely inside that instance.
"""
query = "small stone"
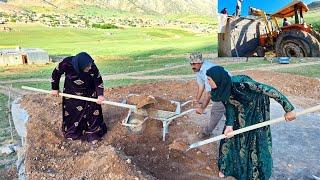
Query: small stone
(139, 172)
(208, 168)
(62, 147)
(136, 178)
(198, 152)
(129, 161)
(7, 150)
(290, 165)
(153, 149)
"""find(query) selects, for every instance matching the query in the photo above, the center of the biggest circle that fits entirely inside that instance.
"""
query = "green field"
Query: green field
(309, 71)
(115, 51)
(313, 17)
(126, 43)
(4, 122)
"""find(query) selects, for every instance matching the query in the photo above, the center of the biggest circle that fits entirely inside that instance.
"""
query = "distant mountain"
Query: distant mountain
(201, 7)
(314, 5)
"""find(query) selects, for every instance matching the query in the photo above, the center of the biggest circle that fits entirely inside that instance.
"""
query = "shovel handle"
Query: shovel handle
(81, 98)
(252, 127)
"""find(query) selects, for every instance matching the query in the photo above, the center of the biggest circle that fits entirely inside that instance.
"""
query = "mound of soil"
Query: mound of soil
(49, 155)
(303, 91)
(121, 155)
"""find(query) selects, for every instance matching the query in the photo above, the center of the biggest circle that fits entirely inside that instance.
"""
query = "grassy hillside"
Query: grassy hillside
(129, 42)
(313, 17)
(200, 7)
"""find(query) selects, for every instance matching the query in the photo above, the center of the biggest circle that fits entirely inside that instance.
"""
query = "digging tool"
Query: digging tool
(178, 145)
(131, 107)
(137, 115)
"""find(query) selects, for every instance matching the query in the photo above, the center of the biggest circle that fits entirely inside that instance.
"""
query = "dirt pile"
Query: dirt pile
(50, 156)
(151, 102)
(303, 91)
(122, 155)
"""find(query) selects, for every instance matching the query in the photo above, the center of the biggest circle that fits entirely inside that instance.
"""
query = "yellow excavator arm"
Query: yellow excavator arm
(261, 13)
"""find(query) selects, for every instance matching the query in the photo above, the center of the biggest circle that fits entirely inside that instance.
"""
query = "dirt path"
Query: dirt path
(139, 75)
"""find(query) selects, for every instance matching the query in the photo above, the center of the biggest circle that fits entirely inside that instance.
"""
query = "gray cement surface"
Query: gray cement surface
(296, 146)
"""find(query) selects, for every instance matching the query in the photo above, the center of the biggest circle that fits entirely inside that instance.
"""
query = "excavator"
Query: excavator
(295, 40)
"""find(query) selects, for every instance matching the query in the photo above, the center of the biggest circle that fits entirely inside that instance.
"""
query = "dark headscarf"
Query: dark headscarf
(223, 82)
(80, 61)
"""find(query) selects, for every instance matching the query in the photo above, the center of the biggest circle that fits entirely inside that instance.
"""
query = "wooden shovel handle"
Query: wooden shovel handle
(81, 98)
(252, 127)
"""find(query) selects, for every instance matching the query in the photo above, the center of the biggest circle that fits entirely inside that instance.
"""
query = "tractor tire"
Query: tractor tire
(260, 51)
(296, 43)
(316, 34)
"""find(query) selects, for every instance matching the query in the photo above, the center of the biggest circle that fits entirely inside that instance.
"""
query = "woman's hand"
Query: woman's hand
(199, 110)
(55, 93)
(228, 131)
(289, 116)
(100, 99)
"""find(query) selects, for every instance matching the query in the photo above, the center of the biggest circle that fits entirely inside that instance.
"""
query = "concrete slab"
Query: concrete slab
(296, 146)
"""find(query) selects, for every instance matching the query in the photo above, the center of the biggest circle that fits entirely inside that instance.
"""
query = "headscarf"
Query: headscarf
(223, 82)
(80, 61)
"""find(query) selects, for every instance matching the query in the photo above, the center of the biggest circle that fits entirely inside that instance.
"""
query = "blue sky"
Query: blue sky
(270, 6)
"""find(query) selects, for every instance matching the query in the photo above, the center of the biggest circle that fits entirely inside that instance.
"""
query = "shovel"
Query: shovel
(131, 107)
(181, 144)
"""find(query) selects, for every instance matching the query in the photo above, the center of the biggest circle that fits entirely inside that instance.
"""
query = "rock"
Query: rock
(153, 149)
(62, 147)
(198, 152)
(290, 165)
(128, 161)
(208, 168)
(8, 149)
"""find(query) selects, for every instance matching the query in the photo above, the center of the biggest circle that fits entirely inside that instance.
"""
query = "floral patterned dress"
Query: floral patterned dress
(81, 119)
(248, 155)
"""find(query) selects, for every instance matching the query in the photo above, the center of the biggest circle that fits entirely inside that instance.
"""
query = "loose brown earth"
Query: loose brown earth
(121, 155)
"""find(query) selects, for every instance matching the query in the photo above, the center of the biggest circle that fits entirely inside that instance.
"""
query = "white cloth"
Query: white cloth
(202, 78)
(239, 3)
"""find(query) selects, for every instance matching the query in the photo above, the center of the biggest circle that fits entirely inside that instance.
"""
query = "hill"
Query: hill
(164, 7)
(314, 5)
